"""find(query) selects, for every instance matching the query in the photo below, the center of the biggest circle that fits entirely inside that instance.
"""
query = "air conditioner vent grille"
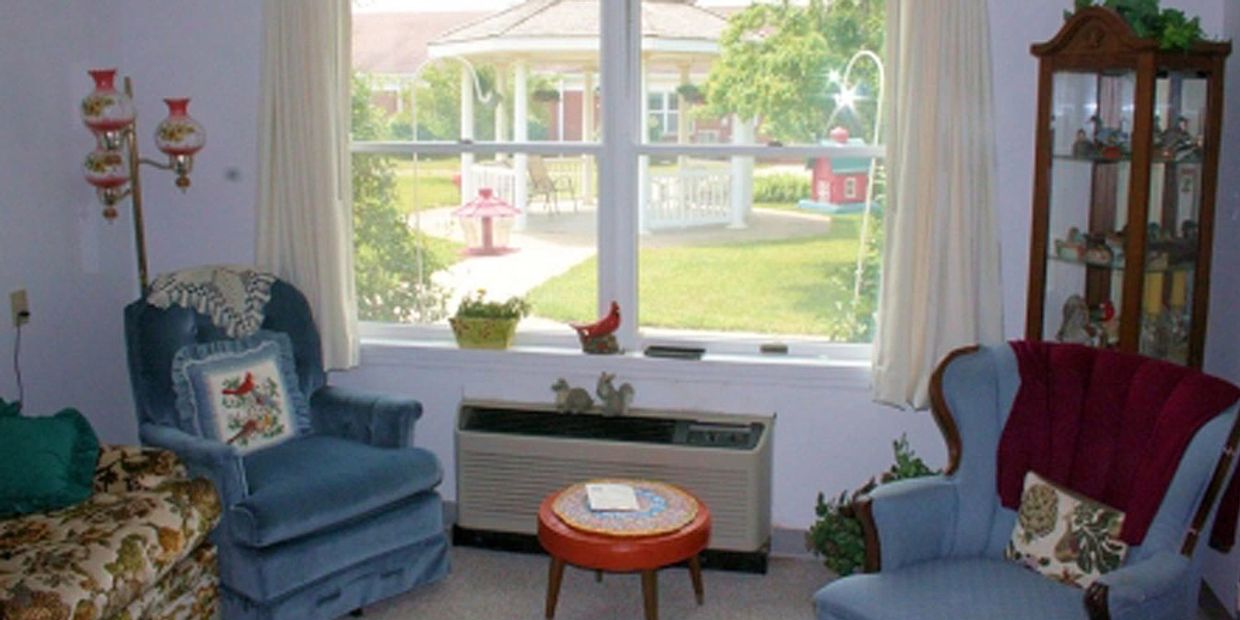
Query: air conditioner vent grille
(506, 465)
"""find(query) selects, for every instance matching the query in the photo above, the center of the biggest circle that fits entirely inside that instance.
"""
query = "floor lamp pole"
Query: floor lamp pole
(135, 196)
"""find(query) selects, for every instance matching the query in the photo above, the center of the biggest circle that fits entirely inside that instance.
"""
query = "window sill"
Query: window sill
(556, 355)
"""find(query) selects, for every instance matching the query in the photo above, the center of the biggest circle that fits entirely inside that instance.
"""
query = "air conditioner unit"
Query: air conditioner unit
(510, 456)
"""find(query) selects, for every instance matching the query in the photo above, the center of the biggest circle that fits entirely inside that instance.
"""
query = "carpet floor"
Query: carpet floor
(497, 585)
(513, 586)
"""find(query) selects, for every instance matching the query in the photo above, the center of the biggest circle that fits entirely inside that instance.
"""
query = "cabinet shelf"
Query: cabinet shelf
(1124, 159)
(1180, 267)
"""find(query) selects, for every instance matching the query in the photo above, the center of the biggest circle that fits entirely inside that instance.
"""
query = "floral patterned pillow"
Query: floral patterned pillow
(1065, 536)
(242, 392)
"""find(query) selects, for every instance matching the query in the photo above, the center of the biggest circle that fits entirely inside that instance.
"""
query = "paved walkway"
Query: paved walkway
(550, 245)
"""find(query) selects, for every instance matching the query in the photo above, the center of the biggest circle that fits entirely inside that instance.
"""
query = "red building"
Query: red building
(839, 184)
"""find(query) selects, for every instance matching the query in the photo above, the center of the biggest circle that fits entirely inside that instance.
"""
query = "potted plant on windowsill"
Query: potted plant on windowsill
(482, 324)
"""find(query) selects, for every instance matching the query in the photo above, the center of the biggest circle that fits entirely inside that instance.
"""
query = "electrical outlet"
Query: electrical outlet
(20, 307)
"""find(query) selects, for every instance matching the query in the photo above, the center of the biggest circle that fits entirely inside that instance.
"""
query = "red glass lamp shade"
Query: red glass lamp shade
(105, 108)
(106, 169)
(179, 133)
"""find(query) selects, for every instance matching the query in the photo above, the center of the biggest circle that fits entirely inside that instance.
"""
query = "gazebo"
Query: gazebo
(680, 41)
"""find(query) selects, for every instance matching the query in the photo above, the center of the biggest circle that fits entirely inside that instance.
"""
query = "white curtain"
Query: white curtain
(305, 230)
(940, 286)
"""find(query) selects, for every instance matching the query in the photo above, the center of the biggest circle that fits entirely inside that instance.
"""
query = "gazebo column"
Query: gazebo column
(586, 182)
(643, 161)
(682, 116)
(742, 174)
(468, 191)
(520, 133)
(501, 120)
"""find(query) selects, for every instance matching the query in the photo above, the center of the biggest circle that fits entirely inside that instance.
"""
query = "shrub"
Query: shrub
(785, 187)
(836, 536)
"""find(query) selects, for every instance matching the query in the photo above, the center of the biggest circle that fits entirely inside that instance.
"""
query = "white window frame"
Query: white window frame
(618, 151)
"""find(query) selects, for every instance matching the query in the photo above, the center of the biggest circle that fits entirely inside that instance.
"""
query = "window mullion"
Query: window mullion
(618, 175)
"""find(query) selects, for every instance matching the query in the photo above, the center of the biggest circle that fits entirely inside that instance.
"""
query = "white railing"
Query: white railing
(499, 177)
(579, 169)
(688, 196)
(680, 197)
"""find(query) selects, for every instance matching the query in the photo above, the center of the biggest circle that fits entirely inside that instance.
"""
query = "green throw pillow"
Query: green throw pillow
(46, 463)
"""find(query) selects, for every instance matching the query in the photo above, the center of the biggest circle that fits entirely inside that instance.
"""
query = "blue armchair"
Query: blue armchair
(935, 545)
(321, 524)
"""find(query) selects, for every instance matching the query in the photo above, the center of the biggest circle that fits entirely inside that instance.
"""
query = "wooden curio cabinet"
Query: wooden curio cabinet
(1124, 189)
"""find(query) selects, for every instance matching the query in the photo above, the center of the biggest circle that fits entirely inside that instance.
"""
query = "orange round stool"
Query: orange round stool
(622, 554)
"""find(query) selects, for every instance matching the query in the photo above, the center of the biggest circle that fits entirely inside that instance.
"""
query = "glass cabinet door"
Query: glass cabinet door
(1091, 164)
(1174, 216)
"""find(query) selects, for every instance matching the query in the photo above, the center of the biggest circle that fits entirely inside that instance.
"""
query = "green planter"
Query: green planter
(484, 333)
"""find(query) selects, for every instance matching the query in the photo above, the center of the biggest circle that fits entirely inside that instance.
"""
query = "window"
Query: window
(662, 118)
(663, 195)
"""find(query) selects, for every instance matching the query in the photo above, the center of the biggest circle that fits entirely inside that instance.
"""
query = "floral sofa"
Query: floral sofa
(136, 550)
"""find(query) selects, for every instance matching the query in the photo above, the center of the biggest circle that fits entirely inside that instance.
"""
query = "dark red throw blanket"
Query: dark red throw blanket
(1109, 425)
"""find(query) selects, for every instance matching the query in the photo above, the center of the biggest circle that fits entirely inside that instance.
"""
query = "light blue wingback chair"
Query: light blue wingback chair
(321, 524)
(935, 545)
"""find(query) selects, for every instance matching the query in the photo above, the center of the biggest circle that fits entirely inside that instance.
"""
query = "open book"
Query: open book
(611, 497)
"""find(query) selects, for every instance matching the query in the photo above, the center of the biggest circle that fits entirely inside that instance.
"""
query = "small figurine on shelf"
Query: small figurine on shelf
(1083, 147)
(1107, 321)
(599, 337)
(1178, 144)
(1112, 142)
(1076, 327)
(1072, 247)
(615, 401)
(1188, 231)
(570, 399)
(1097, 252)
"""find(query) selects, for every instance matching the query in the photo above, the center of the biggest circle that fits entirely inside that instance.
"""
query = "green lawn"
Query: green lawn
(767, 287)
(435, 187)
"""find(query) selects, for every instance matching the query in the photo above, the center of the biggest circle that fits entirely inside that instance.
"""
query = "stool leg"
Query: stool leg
(695, 571)
(598, 576)
(650, 592)
(554, 578)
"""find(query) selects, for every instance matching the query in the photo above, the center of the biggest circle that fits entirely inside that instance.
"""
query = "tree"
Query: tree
(392, 265)
(776, 59)
(439, 105)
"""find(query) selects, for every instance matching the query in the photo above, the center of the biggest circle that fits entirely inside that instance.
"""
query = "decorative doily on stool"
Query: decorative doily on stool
(662, 508)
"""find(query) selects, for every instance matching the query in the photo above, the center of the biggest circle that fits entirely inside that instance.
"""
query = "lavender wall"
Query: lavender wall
(216, 61)
(76, 268)
(1223, 351)
(79, 269)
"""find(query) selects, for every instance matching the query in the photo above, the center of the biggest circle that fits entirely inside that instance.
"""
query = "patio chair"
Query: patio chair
(549, 187)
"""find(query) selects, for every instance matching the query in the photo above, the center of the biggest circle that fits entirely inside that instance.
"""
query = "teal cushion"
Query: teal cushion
(46, 463)
(243, 392)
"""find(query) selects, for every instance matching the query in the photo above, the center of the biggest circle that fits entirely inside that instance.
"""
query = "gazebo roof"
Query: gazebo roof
(566, 30)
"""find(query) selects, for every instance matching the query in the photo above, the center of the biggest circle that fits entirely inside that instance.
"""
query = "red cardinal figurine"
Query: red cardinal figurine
(601, 327)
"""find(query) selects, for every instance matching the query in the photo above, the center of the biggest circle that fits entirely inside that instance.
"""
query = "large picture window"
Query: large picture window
(713, 166)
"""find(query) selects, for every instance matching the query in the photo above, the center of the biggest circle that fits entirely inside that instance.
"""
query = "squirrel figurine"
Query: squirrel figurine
(570, 399)
(614, 401)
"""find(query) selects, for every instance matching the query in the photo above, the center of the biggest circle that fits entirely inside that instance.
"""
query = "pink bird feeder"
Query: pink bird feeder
(486, 221)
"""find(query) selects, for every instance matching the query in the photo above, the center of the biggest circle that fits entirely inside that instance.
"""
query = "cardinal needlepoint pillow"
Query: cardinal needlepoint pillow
(242, 392)
(1065, 536)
